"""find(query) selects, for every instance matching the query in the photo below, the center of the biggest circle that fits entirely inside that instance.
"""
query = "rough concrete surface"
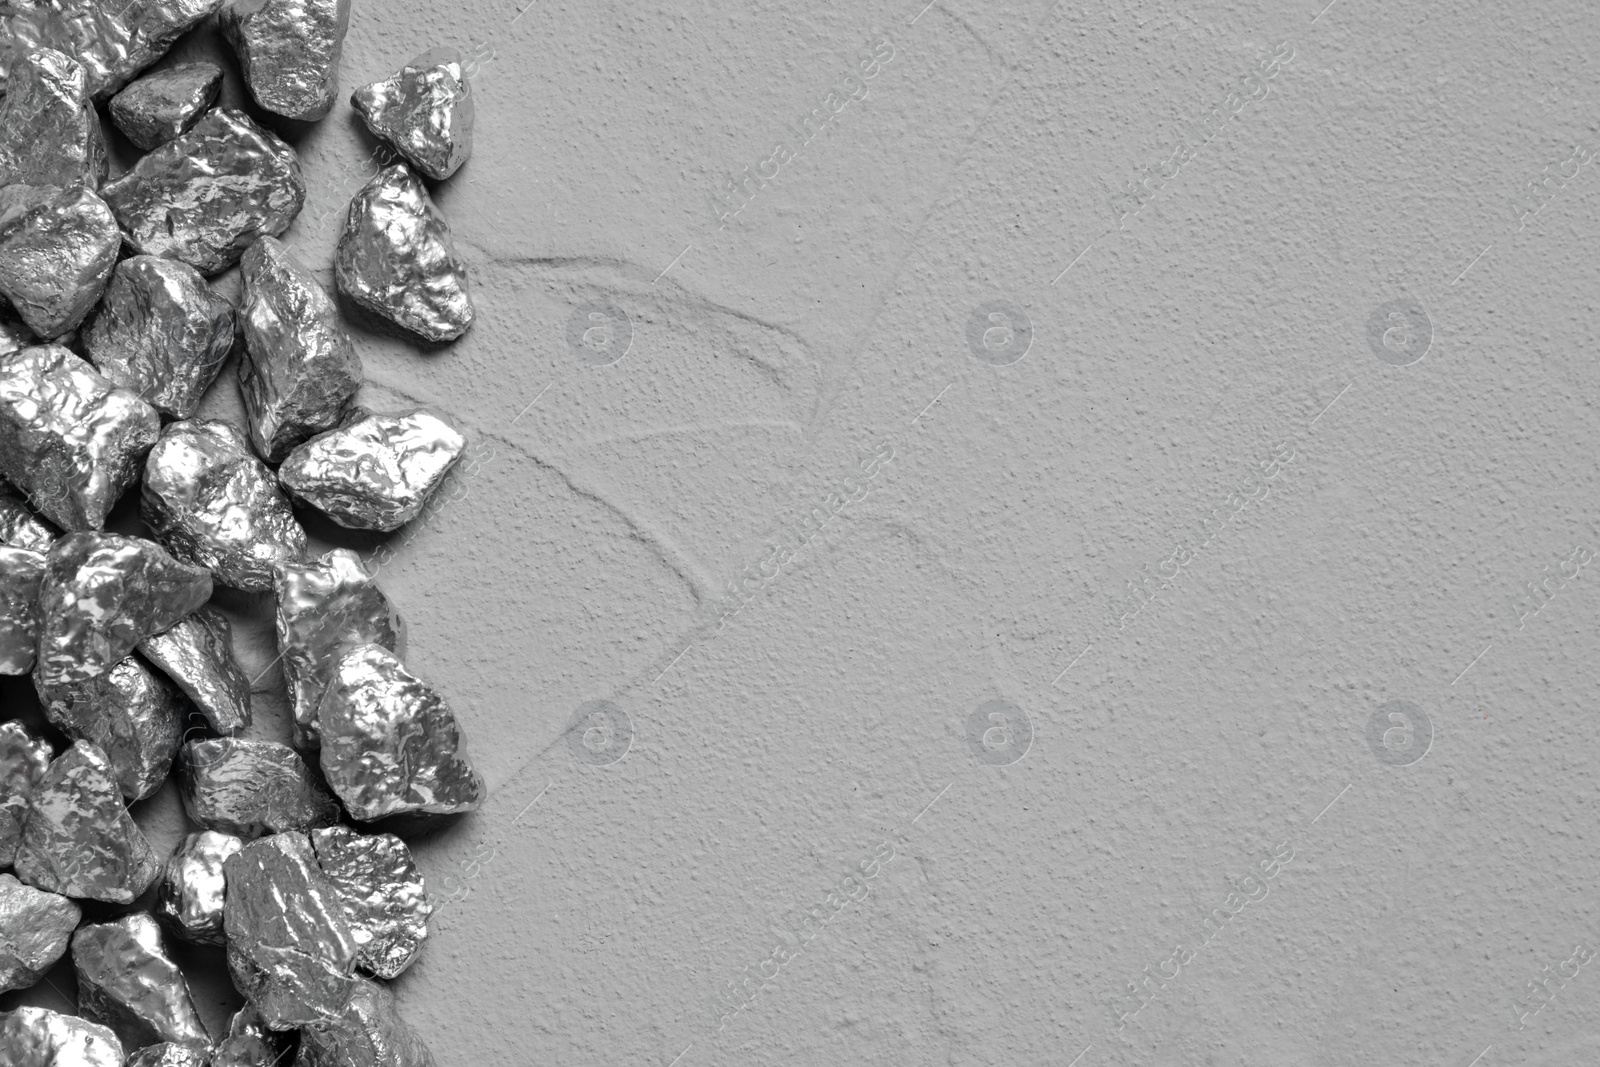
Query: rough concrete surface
(1014, 722)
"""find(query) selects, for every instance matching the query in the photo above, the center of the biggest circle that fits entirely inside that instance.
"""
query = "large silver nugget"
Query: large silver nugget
(390, 745)
(37, 1037)
(160, 331)
(168, 1054)
(326, 606)
(397, 260)
(69, 438)
(132, 714)
(20, 527)
(290, 950)
(385, 900)
(251, 788)
(250, 1042)
(425, 110)
(191, 892)
(210, 501)
(103, 594)
(370, 1033)
(197, 654)
(49, 132)
(21, 574)
(165, 104)
(35, 927)
(206, 196)
(57, 248)
(127, 982)
(300, 368)
(289, 52)
(23, 761)
(113, 41)
(374, 473)
(77, 837)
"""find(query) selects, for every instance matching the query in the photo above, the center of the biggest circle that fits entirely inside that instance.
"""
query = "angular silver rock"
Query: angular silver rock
(57, 248)
(326, 606)
(374, 473)
(113, 41)
(396, 258)
(207, 195)
(163, 105)
(370, 1033)
(168, 1054)
(197, 655)
(190, 895)
(70, 439)
(300, 368)
(21, 574)
(250, 1042)
(289, 52)
(251, 788)
(103, 594)
(210, 501)
(132, 714)
(384, 897)
(20, 527)
(290, 950)
(161, 332)
(425, 110)
(49, 131)
(23, 761)
(77, 837)
(37, 1037)
(390, 745)
(127, 982)
(35, 927)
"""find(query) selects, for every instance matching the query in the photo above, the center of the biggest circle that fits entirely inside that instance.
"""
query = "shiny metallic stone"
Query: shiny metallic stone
(21, 574)
(14, 333)
(77, 837)
(425, 110)
(396, 258)
(190, 895)
(168, 1054)
(197, 654)
(210, 501)
(113, 41)
(250, 1043)
(207, 195)
(251, 788)
(375, 473)
(300, 369)
(161, 332)
(127, 982)
(132, 714)
(389, 743)
(35, 927)
(23, 761)
(385, 901)
(20, 527)
(57, 248)
(49, 132)
(370, 1033)
(290, 949)
(163, 105)
(326, 606)
(103, 594)
(289, 51)
(69, 438)
(36, 1037)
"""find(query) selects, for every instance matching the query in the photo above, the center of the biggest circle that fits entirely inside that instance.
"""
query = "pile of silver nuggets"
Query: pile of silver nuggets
(112, 328)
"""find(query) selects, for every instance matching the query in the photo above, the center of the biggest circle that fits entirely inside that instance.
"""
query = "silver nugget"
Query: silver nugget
(37, 1037)
(196, 653)
(190, 895)
(250, 1042)
(164, 105)
(384, 897)
(113, 41)
(374, 473)
(369, 1033)
(20, 527)
(35, 927)
(23, 761)
(289, 52)
(21, 574)
(251, 788)
(126, 981)
(425, 110)
(131, 713)
(169, 1054)
(49, 131)
(57, 247)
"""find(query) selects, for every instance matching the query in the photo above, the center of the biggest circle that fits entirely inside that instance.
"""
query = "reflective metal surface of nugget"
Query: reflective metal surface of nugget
(168, 1054)
(23, 761)
(206, 196)
(190, 894)
(57, 247)
(36, 1037)
(21, 574)
(196, 653)
(385, 901)
(396, 258)
(165, 104)
(49, 132)
(289, 52)
(161, 332)
(374, 473)
(425, 110)
(127, 981)
(250, 1042)
(21, 527)
(370, 1033)
(132, 714)
(35, 927)
(251, 788)
(211, 502)
(113, 41)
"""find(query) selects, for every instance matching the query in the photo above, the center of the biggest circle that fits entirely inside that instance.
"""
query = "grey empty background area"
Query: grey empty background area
(909, 586)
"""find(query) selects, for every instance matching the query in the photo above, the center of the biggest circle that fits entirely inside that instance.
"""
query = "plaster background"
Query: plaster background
(588, 558)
